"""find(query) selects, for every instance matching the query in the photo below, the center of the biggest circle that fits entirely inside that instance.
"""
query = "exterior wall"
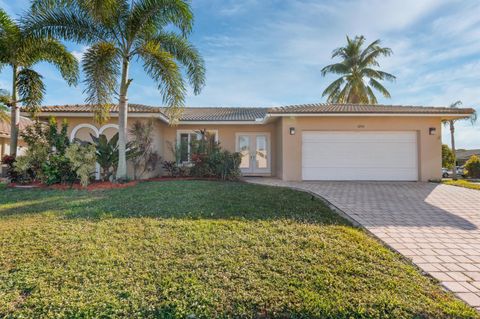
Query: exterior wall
(279, 154)
(226, 137)
(286, 149)
(429, 145)
(84, 134)
(5, 147)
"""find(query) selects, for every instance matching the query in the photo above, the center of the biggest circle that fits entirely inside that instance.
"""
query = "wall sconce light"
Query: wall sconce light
(292, 131)
(432, 131)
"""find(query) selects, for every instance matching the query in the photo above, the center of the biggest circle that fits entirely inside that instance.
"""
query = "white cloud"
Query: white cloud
(78, 54)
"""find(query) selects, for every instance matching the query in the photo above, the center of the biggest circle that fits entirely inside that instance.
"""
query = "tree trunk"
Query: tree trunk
(15, 116)
(452, 136)
(122, 123)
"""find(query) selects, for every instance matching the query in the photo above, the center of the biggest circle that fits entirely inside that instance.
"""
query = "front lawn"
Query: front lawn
(462, 183)
(198, 249)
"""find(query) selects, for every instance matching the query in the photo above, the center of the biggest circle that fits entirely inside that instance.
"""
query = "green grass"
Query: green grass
(198, 249)
(462, 183)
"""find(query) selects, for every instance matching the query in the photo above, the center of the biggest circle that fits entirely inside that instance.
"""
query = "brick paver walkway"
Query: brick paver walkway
(436, 226)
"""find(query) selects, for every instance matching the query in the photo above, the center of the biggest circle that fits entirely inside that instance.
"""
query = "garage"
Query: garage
(362, 156)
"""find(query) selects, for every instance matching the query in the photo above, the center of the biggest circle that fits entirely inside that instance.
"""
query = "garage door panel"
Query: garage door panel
(359, 156)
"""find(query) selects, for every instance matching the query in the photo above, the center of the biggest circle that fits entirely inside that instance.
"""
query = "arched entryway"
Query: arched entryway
(83, 131)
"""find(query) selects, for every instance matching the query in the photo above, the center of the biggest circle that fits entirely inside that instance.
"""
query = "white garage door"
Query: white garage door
(376, 156)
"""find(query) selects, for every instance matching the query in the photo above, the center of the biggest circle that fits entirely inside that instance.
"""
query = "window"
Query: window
(185, 138)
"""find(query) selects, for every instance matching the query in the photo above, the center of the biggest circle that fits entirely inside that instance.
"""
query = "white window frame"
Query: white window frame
(180, 132)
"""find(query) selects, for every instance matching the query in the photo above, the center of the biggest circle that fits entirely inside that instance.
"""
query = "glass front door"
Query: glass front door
(255, 151)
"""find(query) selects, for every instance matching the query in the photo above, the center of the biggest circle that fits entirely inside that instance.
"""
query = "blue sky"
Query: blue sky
(270, 53)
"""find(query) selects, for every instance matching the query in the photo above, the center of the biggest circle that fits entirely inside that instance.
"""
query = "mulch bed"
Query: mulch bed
(98, 185)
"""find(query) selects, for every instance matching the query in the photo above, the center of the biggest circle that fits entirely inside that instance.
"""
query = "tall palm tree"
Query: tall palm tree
(21, 52)
(118, 31)
(358, 76)
(451, 125)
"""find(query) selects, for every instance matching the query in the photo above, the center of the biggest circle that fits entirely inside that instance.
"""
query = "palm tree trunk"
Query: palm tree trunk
(452, 136)
(15, 116)
(122, 123)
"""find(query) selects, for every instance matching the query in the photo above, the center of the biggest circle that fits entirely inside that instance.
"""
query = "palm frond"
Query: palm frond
(101, 68)
(161, 67)
(4, 116)
(30, 89)
(379, 87)
(36, 50)
(148, 16)
(70, 23)
(187, 55)
(371, 96)
(333, 89)
(356, 67)
(337, 68)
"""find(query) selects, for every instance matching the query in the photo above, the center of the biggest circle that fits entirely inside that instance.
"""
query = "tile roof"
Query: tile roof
(365, 108)
(85, 108)
(252, 114)
(5, 127)
(222, 114)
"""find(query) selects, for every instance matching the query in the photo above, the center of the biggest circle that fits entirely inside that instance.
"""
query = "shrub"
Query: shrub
(209, 160)
(171, 168)
(45, 158)
(144, 159)
(472, 167)
(11, 173)
(58, 169)
(29, 167)
(83, 160)
(107, 154)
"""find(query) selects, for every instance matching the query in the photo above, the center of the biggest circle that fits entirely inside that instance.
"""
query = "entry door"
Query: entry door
(255, 150)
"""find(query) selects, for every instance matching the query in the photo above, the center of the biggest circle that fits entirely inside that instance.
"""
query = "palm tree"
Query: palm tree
(358, 76)
(21, 52)
(451, 125)
(118, 31)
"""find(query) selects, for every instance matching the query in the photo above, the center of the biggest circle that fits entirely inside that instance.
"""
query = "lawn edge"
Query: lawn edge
(355, 223)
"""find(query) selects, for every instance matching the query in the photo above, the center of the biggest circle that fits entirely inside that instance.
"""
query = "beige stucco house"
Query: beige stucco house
(300, 142)
(5, 136)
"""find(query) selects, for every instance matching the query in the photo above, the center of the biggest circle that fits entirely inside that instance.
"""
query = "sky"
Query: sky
(262, 53)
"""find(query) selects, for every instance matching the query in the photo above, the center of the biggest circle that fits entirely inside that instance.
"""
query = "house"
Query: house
(299, 142)
(464, 155)
(5, 136)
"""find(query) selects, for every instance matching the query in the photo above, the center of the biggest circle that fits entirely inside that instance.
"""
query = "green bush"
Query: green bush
(210, 160)
(58, 169)
(472, 167)
(29, 167)
(83, 160)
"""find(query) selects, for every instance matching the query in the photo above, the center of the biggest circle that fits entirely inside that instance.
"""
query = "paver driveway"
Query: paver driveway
(436, 226)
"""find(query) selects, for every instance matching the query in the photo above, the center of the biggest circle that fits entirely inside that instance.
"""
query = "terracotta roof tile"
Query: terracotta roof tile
(222, 114)
(364, 108)
(252, 114)
(5, 127)
(81, 108)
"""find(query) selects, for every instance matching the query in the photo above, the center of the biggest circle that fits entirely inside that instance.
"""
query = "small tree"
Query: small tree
(448, 158)
(473, 167)
(141, 139)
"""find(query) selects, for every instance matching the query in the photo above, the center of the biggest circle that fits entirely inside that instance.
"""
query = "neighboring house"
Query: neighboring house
(300, 142)
(464, 155)
(5, 136)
